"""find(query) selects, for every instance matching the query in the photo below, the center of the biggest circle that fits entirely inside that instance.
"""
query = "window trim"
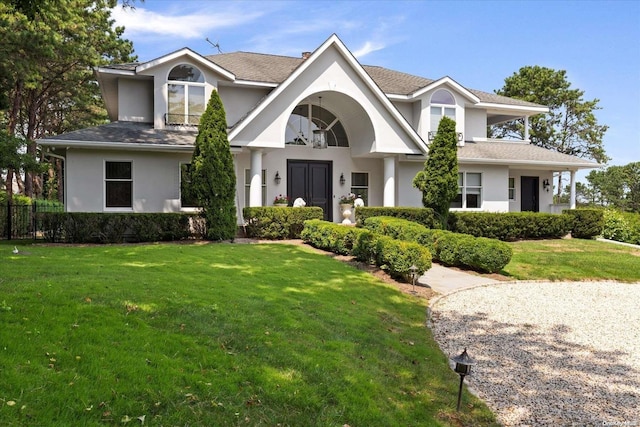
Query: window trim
(182, 207)
(441, 107)
(185, 85)
(104, 186)
(367, 187)
(511, 189)
(462, 190)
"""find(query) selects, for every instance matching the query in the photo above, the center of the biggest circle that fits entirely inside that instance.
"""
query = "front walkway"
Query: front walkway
(445, 280)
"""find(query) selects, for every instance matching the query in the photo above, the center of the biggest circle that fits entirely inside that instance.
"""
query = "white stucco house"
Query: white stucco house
(317, 127)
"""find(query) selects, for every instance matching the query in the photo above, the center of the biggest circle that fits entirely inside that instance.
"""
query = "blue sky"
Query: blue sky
(477, 43)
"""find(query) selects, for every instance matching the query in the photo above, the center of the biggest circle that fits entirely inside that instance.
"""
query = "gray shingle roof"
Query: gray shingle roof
(275, 69)
(128, 133)
(505, 152)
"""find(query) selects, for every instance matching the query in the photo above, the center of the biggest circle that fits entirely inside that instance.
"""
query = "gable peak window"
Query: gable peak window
(306, 118)
(186, 101)
(443, 104)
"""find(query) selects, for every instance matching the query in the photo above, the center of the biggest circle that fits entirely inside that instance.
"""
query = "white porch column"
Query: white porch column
(572, 197)
(389, 195)
(255, 186)
(526, 128)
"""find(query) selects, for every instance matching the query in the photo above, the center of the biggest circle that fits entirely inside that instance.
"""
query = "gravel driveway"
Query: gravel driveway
(560, 354)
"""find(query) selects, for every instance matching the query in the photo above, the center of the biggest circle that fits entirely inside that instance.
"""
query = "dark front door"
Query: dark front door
(530, 192)
(311, 180)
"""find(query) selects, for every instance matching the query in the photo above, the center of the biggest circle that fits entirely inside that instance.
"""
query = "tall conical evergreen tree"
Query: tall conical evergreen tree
(439, 179)
(213, 179)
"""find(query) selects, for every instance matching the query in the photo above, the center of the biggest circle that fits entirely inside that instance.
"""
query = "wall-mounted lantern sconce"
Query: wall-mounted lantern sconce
(342, 180)
(277, 179)
(546, 185)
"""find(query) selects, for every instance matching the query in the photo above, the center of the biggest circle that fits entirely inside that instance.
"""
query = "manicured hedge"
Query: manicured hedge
(394, 256)
(454, 249)
(587, 223)
(510, 226)
(270, 222)
(329, 236)
(424, 216)
(84, 227)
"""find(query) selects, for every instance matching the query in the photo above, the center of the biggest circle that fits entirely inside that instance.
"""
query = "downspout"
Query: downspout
(64, 180)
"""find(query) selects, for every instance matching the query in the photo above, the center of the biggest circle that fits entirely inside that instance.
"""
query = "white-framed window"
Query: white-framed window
(186, 200)
(469, 191)
(118, 184)
(443, 104)
(247, 186)
(185, 95)
(512, 188)
(360, 186)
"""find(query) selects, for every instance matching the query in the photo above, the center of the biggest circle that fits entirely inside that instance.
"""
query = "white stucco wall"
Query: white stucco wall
(156, 178)
(342, 163)
(238, 100)
(545, 198)
(135, 100)
(475, 123)
(426, 111)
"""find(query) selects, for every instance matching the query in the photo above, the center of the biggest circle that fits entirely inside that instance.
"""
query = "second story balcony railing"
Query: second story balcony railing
(432, 136)
(171, 119)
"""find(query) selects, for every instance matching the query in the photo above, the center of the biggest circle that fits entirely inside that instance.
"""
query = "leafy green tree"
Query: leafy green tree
(213, 178)
(438, 181)
(13, 157)
(48, 51)
(616, 187)
(570, 127)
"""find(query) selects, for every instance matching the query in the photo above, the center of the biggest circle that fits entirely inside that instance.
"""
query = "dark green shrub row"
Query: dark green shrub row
(510, 226)
(424, 216)
(587, 223)
(335, 238)
(394, 256)
(84, 227)
(275, 223)
(454, 249)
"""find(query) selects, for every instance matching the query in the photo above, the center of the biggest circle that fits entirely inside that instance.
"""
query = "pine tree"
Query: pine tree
(439, 179)
(213, 179)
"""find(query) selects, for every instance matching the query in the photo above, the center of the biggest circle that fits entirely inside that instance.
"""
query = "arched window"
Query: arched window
(306, 118)
(443, 104)
(186, 95)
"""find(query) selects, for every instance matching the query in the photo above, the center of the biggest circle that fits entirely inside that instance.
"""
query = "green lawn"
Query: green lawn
(215, 335)
(573, 259)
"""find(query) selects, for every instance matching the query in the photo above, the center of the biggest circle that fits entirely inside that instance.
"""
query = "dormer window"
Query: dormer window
(443, 104)
(186, 95)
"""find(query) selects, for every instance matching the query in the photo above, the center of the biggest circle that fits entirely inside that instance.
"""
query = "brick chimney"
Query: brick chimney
(306, 55)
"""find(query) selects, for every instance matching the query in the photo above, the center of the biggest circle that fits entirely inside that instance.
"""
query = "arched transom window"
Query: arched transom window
(443, 104)
(306, 118)
(186, 95)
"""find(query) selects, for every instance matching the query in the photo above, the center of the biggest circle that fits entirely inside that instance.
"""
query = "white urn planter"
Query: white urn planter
(346, 213)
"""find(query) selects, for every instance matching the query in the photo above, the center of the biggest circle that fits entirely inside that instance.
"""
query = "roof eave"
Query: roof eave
(537, 163)
(191, 54)
(109, 145)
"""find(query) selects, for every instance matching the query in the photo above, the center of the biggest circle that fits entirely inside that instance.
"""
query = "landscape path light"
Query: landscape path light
(462, 368)
(413, 270)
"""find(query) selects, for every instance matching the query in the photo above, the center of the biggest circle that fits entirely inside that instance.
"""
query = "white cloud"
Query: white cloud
(368, 48)
(143, 22)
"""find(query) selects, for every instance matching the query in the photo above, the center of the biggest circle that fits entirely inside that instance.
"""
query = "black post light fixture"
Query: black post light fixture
(277, 178)
(462, 368)
(546, 185)
(413, 270)
(320, 135)
(342, 180)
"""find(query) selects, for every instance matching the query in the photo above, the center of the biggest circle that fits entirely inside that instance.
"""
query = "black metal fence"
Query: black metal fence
(21, 221)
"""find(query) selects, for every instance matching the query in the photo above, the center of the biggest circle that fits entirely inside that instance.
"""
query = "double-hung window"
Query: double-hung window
(443, 104)
(512, 188)
(186, 95)
(187, 198)
(118, 184)
(469, 191)
(360, 185)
